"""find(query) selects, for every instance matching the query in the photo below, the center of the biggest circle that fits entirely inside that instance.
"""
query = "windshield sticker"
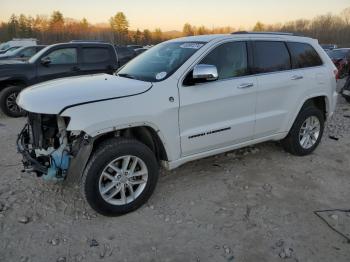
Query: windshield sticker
(161, 75)
(191, 45)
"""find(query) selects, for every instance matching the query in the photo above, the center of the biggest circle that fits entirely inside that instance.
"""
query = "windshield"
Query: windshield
(338, 54)
(11, 49)
(159, 62)
(37, 55)
(15, 51)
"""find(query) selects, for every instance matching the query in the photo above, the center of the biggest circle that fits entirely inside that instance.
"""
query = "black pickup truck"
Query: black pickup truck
(54, 61)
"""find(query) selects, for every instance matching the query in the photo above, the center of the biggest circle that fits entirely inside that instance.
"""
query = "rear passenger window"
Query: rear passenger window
(230, 59)
(95, 54)
(271, 56)
(303, 55)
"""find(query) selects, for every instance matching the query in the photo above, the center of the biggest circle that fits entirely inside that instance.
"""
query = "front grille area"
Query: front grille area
(44, 130)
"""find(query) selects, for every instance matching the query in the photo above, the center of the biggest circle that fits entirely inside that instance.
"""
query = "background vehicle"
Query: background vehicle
(341, 59)
(134, 46)
(55, 61)
(18, 42)
(125, 54)
(10, 49)
(345, 92)
(329, 46)
(182, 100)
(139, 51)
(22, 53)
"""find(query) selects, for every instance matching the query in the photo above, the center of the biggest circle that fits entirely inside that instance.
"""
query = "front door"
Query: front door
(62, 62)
(219, 113)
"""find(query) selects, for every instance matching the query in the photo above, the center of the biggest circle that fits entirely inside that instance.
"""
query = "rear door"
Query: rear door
(276, 86)
(97, 59)
(219, 113)
(63, 63)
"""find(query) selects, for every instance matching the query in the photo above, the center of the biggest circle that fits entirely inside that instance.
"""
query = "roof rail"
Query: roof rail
(261, 33)
(88, 41)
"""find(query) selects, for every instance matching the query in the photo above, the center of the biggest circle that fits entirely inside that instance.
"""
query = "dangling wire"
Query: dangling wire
(317, 213)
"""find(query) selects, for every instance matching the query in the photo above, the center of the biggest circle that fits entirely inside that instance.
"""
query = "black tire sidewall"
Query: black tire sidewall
(5, 93)
(98, 162)
(303, 115)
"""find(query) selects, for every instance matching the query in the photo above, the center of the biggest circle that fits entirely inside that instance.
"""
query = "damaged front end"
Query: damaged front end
(47, 147)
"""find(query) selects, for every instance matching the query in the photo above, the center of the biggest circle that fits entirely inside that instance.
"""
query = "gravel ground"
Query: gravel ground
(253, 204)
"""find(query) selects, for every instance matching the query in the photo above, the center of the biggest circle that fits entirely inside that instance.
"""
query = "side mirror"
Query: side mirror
(203, 73)
(45, 61)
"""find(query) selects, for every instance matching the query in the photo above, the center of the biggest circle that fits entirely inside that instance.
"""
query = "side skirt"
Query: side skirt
(174, 164)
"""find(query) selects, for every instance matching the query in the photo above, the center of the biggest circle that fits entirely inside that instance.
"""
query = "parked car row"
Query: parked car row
(345, 92)
(328, 47)
(341, 59)
(30, 65)
(21, 53)
(16, 43)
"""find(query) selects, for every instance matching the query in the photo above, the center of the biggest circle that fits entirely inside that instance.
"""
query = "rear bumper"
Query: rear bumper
(333, 105)
(345, 91)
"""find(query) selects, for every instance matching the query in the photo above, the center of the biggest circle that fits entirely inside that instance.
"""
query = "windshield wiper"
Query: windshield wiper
(127, 76)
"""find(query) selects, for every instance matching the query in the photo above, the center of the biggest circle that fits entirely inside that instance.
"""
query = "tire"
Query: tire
(8, 103)
(94, 182)
(292, 142)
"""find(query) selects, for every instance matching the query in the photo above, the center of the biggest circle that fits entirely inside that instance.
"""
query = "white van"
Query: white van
(18, 42)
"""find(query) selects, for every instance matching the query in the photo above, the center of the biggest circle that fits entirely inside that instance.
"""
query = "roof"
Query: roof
(247, 35)
(343, 48)
(199, 38)
(81, 44)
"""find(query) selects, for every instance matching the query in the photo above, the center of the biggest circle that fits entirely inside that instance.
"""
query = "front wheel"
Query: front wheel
(120, 177)
(8, 102)
(306, 132)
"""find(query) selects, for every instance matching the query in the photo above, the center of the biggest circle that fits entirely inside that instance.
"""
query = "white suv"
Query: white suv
(179, 101)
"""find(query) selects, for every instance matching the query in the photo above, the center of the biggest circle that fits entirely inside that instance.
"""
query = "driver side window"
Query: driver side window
(230, 60)
(63, 56)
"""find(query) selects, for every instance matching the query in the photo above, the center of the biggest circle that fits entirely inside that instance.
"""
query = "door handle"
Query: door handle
(297, 77)
(245, 85)
(75, 68)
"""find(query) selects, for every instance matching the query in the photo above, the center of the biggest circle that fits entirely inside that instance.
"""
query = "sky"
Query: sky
(173, 14)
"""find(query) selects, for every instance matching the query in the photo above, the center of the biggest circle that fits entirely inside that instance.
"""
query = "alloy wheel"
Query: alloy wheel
(123, 180)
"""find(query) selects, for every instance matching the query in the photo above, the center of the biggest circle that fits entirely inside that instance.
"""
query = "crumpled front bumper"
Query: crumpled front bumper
(30, 162)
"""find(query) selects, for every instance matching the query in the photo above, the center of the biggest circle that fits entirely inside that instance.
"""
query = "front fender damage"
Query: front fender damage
(50, 151)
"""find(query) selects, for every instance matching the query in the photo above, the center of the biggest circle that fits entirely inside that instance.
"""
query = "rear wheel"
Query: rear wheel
(120, 177)
(306, 132)
(8, 102)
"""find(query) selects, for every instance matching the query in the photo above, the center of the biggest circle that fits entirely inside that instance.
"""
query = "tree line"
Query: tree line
(57, 28)
(329, 28)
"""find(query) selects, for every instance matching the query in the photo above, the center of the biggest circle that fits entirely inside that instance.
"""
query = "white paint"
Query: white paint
(265, 111)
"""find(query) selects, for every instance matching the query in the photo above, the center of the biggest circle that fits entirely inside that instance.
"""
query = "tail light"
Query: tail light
(336, 74)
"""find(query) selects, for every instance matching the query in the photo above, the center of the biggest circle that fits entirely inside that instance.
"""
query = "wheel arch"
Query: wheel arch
(320, 101)
(143, 133)
(13, 82)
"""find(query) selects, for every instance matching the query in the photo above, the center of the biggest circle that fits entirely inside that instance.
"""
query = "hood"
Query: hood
(54, 96)
(11, 61)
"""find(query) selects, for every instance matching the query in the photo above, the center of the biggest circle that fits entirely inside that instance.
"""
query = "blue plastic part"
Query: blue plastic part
(59, 161)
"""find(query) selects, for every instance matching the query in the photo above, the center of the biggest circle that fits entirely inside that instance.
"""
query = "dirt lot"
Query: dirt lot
(254, 204)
